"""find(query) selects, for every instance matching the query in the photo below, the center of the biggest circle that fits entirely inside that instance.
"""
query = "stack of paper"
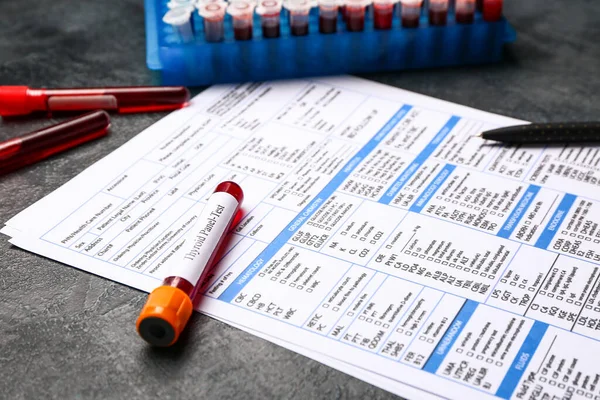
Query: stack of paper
(380, 236)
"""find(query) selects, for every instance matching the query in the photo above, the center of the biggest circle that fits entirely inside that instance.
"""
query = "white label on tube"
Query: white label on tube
(204, 236)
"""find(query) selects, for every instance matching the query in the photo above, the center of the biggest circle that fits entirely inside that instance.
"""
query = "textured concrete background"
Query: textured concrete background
(67, 334)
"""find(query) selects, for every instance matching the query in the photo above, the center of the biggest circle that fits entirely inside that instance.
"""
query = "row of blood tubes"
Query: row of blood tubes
(353, 13)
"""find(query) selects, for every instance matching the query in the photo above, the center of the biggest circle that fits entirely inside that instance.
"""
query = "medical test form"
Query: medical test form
(378, 231)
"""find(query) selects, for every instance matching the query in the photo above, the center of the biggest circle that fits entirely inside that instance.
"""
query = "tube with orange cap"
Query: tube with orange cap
(170, 306)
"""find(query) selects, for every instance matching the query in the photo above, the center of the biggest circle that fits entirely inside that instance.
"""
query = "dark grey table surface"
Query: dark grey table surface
(68, 334)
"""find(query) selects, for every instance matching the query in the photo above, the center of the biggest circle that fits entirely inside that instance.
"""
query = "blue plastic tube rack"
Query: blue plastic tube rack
(200, 63)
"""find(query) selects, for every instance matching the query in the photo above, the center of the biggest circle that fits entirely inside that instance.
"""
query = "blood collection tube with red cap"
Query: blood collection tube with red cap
(270, 17)
(410, 13)
(213, 14)
(328, 15)
(242, 11)
(36, 146)
(438, 12)
(299, 10)
(355, 14)
(170, 306)
(21, 100)
(383, 13)
(464, 11)
(492, 10)
(180, 18)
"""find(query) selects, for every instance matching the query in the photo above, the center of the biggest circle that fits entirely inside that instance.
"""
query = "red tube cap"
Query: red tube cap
(13, 100)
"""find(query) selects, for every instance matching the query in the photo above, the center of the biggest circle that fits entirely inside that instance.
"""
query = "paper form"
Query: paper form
(379, 232)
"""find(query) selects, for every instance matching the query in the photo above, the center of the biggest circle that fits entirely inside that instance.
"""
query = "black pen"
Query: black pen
(546, 133)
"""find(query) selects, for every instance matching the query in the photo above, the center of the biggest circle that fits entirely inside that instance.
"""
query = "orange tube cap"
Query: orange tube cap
(164, 316)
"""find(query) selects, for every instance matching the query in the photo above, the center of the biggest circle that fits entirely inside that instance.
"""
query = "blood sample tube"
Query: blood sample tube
(180, 19)
(383, 12)
(242, 11)
(328, 14)
(269, 11)
(355, 14)
(492, 10)
(38, 145)
(299, 10)
(22, 100)
(170, 306)
(410, 13)
(213, 14)
(465, 11)
(479, 5)
(438, 12)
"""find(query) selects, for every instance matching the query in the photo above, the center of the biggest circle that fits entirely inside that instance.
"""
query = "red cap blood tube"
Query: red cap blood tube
(411, 13)
(22, 100)
(180, 19)
(355, 14)
(328, 15)
(383, 12)
(35, 146)
(242, 11)
(465, 11)
(492, 10)
(438, 12)
(270, 11)
(213, 14)
(299, 10)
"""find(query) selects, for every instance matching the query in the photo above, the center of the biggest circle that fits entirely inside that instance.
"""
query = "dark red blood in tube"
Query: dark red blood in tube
(383, 14)
(328, 15)
(464, 17)
(327, 24)
(410, 21)
(242, 32)
(271, 27)
(271, 31)
(232, 188)
(355, 19)
(43, 143)
(438, 17)
(299, 29)
(21, 100)
(492, 10)
(410, 14)
(123, 100)
(299, 22)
